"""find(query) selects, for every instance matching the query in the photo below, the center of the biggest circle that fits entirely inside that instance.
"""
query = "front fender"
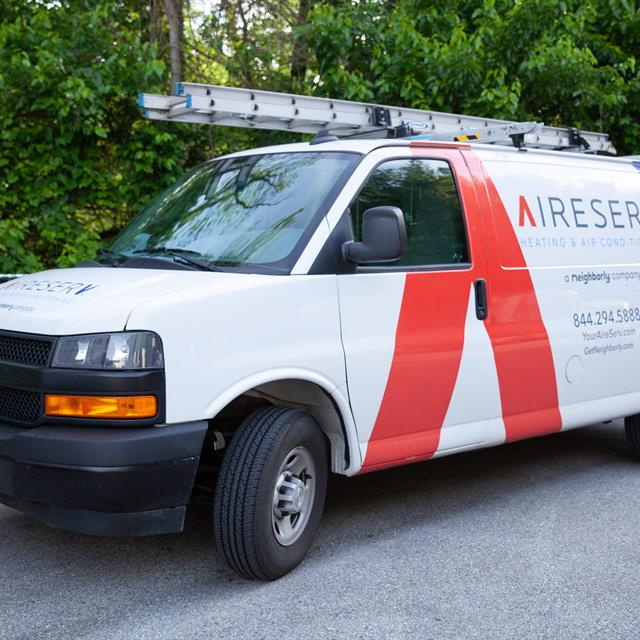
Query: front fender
(227, 336)
(338, 394)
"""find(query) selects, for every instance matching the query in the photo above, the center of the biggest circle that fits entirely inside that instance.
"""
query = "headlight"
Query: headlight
(128, 350)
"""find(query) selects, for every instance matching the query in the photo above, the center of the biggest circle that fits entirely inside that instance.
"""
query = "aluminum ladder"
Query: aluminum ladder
(249, 108)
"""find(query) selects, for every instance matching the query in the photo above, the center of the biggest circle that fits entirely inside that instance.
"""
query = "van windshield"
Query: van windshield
(251, 210)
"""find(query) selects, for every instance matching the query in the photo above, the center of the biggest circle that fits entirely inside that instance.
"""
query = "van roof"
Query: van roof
(367, 146)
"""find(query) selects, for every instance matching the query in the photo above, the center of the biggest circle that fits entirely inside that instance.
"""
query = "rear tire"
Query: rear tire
(270, 492)
(632, 431)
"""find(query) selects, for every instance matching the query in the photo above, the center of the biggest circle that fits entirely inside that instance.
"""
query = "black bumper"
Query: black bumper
(101, 481)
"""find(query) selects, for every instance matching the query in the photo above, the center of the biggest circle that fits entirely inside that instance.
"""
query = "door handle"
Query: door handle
(482, 305)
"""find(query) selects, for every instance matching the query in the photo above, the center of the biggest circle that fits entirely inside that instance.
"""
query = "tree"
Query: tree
(253, 40)
(173, 9)
(566, 62)
(76, 157)
(77, 160)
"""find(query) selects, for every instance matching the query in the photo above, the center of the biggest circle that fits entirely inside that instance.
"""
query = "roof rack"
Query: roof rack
(249, 108)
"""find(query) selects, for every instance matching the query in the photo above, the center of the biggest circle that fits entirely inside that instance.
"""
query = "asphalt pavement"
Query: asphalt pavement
(537, 539)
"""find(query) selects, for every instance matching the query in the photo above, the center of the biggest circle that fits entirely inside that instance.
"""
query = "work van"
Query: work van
(339, 306)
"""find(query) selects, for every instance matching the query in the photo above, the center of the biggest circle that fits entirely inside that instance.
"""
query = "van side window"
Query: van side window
(425, 190)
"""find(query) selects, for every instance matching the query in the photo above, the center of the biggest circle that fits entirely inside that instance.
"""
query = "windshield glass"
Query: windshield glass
(236, 211)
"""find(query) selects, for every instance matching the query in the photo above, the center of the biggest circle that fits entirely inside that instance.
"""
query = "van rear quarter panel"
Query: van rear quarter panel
(577, 221)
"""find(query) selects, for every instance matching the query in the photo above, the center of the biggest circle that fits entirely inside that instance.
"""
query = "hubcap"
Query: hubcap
(293, 496)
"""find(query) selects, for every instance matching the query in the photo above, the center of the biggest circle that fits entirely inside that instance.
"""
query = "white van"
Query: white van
(342, 307)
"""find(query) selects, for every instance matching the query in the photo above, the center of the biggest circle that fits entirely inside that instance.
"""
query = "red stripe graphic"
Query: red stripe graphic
(521, 347)
(430, 338)
(429, 341)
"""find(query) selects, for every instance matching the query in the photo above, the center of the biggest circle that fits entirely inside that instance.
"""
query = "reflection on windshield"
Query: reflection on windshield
(248, 210)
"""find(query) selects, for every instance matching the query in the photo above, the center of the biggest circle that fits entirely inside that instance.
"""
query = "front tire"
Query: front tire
(270, 492)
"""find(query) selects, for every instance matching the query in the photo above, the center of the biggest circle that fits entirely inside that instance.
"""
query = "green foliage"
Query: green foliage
(565, 62)
(77, 160)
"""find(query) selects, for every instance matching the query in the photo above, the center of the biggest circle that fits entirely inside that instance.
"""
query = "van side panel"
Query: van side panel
(521, 346)
(430, 330)
(577, 223)
(547, 287)
(426, 361)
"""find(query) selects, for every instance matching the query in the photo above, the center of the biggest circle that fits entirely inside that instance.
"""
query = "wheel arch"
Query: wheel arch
(309, 391)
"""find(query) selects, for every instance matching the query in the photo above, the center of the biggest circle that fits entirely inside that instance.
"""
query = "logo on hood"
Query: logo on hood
(58, 287)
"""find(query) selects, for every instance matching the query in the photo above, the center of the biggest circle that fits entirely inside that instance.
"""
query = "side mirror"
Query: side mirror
(384, 237)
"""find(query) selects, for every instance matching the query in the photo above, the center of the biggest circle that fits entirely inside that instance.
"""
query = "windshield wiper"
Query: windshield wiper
(114, 259)
(186, 255)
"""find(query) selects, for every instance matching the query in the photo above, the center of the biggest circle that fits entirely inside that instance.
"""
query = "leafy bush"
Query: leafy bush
(76, 158)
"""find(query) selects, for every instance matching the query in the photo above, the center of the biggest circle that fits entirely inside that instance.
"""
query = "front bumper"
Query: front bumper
(101, 481)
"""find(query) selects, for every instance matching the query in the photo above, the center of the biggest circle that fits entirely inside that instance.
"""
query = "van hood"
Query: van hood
(94, 300)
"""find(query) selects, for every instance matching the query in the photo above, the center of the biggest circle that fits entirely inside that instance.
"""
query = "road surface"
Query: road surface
(538, 539)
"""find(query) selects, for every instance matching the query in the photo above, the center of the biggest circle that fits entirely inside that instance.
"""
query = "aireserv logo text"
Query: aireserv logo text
(50, 286)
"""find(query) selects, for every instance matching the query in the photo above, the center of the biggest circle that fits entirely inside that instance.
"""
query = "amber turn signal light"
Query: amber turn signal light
(108, 407)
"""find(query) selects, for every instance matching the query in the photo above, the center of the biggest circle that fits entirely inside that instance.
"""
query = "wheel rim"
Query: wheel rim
(293, 496)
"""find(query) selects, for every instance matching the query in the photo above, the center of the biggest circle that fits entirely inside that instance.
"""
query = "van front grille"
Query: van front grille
(19, 405)
(33, 352)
